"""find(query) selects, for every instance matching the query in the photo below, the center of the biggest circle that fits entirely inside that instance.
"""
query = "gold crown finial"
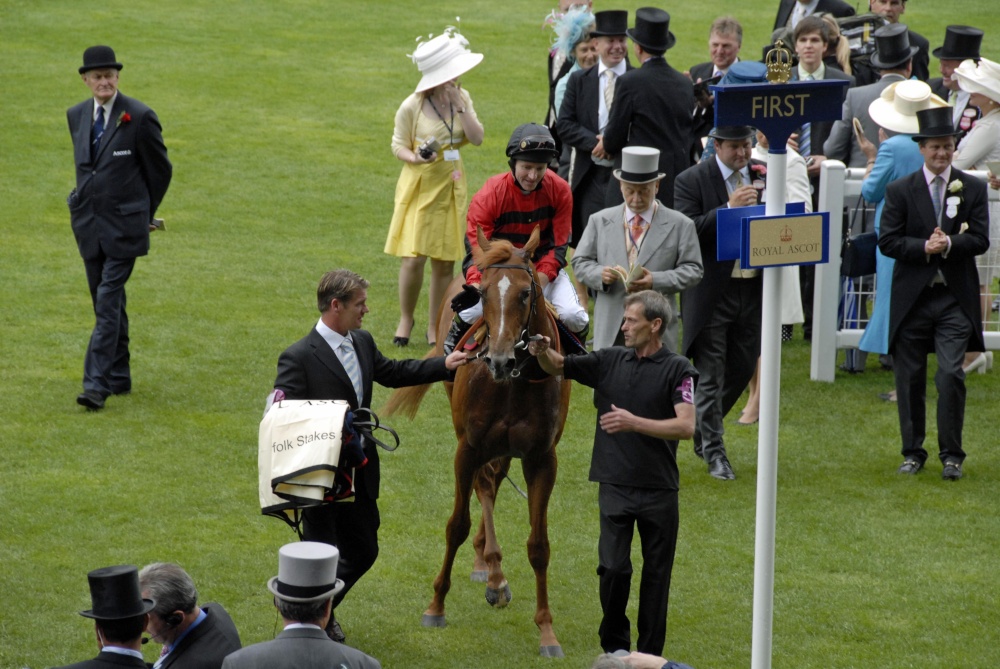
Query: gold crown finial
(779, 63)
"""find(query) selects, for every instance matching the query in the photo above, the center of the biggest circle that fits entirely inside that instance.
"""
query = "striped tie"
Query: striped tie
(96, 132)
(350, 361)
(609, 89)
(805, 143)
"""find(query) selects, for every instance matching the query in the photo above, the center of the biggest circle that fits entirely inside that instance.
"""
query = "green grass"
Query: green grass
(278, 118)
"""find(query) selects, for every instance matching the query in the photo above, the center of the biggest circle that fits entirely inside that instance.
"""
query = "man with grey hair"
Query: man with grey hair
(303, 594)
(192, 636)
(644, 395)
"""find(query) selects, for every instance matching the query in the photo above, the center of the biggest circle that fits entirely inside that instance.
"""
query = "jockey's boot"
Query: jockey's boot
(582, 336)
(455, 333)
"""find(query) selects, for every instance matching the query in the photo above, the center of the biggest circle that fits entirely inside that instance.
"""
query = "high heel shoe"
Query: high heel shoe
(401, 341)
(978, 364)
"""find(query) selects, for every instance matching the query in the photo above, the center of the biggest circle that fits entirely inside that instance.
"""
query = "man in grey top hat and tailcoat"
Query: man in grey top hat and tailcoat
(303, 594)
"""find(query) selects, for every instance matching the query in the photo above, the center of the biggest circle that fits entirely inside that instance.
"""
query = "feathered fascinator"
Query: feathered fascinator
(570, 29)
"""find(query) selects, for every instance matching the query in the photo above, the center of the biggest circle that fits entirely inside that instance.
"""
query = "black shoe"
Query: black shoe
(455, 333)
(911, 466)
(850, 370)
(401, 341)
(719, 468)
(952, 470)
(93, 400)
(334, 632)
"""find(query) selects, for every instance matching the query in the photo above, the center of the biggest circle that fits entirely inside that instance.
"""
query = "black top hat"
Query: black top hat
(892, 46)
(732, 132)
(935, 122)
(960, 43)
(99, 58)
(115, 594)
(652, 29)
(610, 23)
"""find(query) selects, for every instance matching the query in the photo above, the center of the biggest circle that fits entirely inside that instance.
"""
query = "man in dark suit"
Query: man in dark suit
(653, 104)
(192, 636)
(960, 43)
(303, 590)
(934, 223)
(725, 39)
(894, 58)
(122, 174)
(721, 314)
(891, 10)
(338, 360)
(584, 115)
(119, 614)
(790, 12)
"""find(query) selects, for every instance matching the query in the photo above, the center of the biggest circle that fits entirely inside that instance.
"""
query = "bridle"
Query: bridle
(525, 336)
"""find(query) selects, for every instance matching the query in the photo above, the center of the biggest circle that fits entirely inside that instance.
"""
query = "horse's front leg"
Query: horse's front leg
(456, 532)
(540, 476)
(489, 556)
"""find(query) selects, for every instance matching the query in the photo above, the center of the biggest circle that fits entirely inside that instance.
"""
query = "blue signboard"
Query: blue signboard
(778, 110)
(729, 227)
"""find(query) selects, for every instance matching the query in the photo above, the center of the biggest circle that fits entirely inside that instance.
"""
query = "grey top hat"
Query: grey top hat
(115, 594)
(307, 572)
(610, 23)
(892, 46)
(960, 43)
(935, 122)
(640, 165)
(733, 133)
(652, 29)
(99, 58)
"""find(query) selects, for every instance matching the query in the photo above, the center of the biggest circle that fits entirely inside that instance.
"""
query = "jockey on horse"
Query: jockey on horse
(509, 206)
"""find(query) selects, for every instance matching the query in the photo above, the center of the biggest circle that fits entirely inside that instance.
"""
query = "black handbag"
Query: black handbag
(857, 255)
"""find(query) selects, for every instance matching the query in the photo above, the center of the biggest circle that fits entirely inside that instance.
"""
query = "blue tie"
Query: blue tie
(96, 133)
(805, 146)
(350, 360)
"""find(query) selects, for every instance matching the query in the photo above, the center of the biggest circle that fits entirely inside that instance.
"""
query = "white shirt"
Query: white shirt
(602, 81)
(107, 110)
(727, 172)
(801, 11)
(818, 75)
(334, 339)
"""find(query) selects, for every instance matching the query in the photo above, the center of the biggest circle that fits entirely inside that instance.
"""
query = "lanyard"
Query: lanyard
(451, 110)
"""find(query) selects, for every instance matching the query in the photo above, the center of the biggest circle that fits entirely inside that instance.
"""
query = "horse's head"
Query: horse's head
(511, 297)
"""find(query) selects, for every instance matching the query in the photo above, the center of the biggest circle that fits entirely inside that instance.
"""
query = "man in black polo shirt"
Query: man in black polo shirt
(644, 395)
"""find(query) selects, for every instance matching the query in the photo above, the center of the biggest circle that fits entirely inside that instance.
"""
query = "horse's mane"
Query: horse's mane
(500, 250)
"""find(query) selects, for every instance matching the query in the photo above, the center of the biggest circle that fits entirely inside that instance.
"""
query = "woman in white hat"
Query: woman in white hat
(896, 156)
(428, 220)
(977, 151)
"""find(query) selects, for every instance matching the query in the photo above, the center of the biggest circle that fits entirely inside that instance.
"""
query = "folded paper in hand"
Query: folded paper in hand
(628, 276)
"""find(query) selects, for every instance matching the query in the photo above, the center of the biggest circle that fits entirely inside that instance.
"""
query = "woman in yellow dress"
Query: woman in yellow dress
(428, 221)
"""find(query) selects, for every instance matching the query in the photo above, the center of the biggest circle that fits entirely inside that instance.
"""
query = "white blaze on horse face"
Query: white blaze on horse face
(503, 285)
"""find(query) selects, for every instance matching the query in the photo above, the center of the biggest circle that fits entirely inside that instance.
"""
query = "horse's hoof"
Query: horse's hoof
(432, 621)
(479, 576)
(551, 651)
(499, 598)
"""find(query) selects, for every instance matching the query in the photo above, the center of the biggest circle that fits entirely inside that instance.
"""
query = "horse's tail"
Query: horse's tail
(407, 400)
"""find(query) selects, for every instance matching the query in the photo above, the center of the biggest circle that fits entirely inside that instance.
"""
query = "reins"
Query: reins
(525, 336)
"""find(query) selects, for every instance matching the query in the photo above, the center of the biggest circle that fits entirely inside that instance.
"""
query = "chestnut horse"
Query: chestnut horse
(502, 406)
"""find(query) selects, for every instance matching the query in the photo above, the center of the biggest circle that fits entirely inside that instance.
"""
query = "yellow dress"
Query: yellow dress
(429, 214)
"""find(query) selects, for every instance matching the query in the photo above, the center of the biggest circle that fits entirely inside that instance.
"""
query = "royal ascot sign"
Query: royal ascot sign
(773, 241)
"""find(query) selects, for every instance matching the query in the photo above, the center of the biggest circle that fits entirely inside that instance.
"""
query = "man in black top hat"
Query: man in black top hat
(893, 58)
(891, 10)
(960, 43)
(122, 174)
(653, 104)
(721, 314)
(120, 615)
(934, 223)
(590, 95)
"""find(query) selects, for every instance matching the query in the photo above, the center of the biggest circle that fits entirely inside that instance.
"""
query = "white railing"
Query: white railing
(840, 187)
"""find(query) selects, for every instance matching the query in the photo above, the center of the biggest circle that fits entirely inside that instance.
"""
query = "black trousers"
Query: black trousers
(106, 365)
(935, 324)
(655, 513)
(353, 528)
